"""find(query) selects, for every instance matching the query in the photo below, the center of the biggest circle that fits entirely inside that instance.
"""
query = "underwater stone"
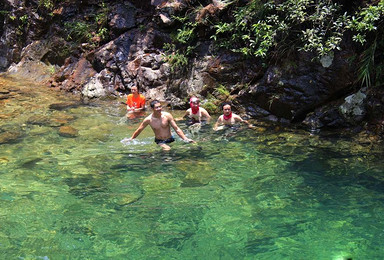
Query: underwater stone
(68, 131)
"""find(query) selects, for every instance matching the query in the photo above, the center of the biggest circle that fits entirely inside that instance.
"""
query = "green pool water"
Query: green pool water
(261, 193)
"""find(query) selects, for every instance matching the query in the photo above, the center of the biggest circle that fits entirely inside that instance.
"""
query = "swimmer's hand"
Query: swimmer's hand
(189, 141)
(221, 127)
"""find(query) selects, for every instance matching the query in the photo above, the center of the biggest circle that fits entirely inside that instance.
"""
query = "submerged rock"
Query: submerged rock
(68, 131)
(63, 105)
(61, 119)
(38, 120)
(4, 160)
(9, 137)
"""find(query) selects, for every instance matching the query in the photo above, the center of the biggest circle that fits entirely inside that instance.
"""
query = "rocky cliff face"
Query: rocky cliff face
(296, 90)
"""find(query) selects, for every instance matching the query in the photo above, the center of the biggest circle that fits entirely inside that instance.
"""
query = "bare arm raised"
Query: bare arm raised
(205, 114)
(177, 129)
(218, 122)
(140, 128)
(239, 119)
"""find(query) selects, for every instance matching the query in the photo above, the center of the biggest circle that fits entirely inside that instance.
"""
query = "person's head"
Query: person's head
(227, 109)
(156, 105)
(134, 89)
(194, 102)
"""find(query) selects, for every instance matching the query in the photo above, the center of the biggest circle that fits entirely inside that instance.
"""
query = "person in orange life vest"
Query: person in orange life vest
(135, 100)
(228, 118)
(195, 112)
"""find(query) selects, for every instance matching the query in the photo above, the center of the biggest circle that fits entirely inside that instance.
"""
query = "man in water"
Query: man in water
(135, 100)
(161, 123)
(196, 113)
(228, 118)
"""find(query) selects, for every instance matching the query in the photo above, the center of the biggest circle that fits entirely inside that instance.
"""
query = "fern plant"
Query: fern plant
(367, 65)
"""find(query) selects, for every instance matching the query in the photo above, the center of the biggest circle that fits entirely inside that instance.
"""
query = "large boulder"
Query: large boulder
(292, 89)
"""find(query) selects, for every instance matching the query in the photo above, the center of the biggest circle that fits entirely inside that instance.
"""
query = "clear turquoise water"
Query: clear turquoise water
(249, 194)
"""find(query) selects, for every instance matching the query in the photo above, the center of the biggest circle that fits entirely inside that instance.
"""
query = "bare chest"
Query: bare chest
(159, 123)
(230, 121)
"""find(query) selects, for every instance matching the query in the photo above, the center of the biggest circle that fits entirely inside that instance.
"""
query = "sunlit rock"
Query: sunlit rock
(68, 131)
(353, 109)
(80, 74)
(94, 88)
(165, 19)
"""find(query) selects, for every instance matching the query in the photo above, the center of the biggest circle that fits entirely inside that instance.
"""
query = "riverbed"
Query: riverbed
(73, 187)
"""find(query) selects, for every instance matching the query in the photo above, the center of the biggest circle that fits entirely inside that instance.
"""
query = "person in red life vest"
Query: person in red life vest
(135, 100)
(228, 118)
(195, 112)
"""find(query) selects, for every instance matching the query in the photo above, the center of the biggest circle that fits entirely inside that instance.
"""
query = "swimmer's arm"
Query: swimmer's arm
(140, 129)
(238, 118)
(205, 114)
(178, 130)
(186, 115)
(218, 122)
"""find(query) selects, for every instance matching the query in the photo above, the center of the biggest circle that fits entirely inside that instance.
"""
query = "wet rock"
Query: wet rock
(38, 120)
(4, 94)
(63, 105)
(31, 163)
(68, 131)
(9, 137)
(61, 119)
(327, 116)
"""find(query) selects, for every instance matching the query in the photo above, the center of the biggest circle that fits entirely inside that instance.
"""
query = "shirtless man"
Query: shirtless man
(228, 118)
(196, 113)
(161, 123)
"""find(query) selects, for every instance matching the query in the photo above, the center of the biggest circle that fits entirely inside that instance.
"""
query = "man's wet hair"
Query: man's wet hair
(224, 104)
(154, 102)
